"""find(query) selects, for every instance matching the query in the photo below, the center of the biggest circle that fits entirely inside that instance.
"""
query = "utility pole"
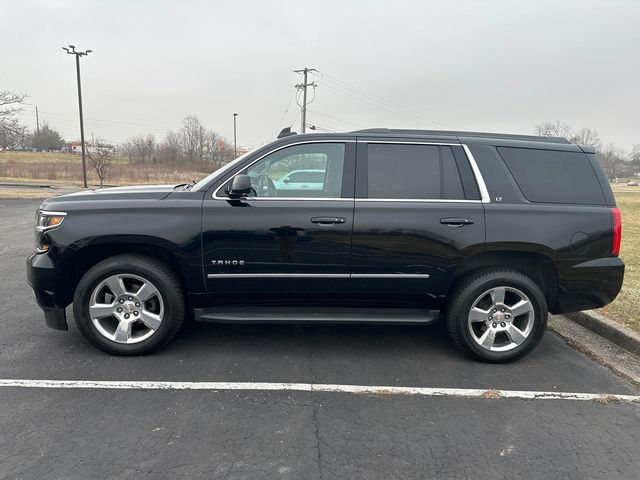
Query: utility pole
(37, 121)
(235, 145)
(303, 86)
(72, 51)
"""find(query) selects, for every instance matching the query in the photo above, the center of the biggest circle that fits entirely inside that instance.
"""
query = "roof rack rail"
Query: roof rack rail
(505, 136)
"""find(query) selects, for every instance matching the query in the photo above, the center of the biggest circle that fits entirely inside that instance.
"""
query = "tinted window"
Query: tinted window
(270, 175)
(403, 171)
(549, 176)
(451, 183)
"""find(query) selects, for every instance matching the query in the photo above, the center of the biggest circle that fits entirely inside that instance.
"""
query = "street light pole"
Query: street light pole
(72, 51)
(235, 146)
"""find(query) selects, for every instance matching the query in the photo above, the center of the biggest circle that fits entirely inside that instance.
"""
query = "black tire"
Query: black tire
(150, 268)
(474, 285)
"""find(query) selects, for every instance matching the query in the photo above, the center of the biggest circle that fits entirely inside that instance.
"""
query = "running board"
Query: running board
(271, 314)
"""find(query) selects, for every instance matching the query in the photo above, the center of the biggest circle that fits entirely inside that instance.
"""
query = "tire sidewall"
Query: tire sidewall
(173, 308)
(475, 289)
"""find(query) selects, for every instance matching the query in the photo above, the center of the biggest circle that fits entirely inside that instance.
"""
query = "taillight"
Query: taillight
(617, 231)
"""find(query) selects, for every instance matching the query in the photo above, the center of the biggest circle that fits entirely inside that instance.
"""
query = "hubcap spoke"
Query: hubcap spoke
(477, 315)
(151, 320)
(123, 331)
(497, 295)
(516, 335)
(147, 290)
(116, 285)
(494, 329)
(488, 338)
(522, 307)
(101, 310)
(126, 308)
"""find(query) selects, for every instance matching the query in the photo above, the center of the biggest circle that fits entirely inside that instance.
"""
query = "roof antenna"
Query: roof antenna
(286, 132)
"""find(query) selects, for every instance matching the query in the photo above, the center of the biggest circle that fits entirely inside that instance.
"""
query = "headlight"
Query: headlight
(46, 220)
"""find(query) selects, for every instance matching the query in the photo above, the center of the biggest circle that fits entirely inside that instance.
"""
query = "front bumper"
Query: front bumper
(41, 277)
(588, 285)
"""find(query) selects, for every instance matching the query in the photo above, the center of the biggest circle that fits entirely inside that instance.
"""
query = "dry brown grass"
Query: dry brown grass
(66, 168)
(626, 306)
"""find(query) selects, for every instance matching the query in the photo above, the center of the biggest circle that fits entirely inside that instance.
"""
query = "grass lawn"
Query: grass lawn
(626, 307)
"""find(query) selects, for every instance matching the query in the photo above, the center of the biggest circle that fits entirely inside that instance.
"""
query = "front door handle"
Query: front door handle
(456, 222)
(328, 220)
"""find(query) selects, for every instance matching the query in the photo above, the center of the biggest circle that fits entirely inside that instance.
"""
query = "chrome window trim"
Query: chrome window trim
(417, 200)
(484, 193)
(305, 142)
(288, 199)
(318, 275)
(417, 142)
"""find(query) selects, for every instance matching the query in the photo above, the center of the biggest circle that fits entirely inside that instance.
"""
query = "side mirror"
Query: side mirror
(240, 186)
(287, 180)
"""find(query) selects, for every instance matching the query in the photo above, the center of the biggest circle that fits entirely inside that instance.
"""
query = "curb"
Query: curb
(622, 336)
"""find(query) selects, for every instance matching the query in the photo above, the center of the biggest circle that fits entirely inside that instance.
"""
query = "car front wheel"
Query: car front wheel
(129, 305)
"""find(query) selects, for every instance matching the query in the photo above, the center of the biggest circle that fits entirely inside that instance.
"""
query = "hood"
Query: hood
(136, 192)
(154, 191)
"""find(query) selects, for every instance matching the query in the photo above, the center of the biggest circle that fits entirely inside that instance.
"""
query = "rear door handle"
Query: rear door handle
(328, 220)
(456, 222)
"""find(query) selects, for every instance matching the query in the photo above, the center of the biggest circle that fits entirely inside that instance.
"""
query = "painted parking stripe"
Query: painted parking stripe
(314, 387)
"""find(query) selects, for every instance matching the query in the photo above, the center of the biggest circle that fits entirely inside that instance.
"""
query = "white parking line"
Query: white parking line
(326, 388)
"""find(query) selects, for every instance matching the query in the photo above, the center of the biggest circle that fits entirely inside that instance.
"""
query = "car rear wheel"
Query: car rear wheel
(497, 315)
(129, 305)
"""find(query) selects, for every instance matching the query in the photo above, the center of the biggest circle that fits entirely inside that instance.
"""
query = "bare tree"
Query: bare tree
(586, 136)
(12, 133)
(101, 157)
(171, 148)
(634, 160)
(141, 149)
(612, 160)
(554, 129)
(193, 139)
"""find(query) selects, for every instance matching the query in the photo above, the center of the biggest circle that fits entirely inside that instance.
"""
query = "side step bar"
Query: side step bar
(275, 314)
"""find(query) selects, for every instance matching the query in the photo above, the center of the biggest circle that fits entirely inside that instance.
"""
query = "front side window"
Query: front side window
(300, 171)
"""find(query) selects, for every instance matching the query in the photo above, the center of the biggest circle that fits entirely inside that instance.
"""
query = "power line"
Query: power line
(378, 101)
(335, 118)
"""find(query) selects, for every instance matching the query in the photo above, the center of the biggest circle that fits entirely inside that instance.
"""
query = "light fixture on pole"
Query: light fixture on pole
(235, 146)
(71, 50)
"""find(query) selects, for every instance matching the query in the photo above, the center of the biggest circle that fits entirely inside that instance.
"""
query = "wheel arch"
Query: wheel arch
(538, 266)
(76, 263)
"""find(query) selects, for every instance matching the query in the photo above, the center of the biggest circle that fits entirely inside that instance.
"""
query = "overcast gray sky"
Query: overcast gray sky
(478, 65)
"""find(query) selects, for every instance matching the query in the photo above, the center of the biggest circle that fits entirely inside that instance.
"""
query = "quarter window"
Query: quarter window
(549, 176)
(300, 171)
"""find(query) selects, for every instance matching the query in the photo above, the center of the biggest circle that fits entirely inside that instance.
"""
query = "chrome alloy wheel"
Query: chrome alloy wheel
(501, 319)
(126, 308)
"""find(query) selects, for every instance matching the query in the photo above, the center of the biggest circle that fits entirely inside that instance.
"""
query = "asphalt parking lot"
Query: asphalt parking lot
(151, 433)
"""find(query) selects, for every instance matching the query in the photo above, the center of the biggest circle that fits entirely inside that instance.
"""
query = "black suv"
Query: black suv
(488, 231)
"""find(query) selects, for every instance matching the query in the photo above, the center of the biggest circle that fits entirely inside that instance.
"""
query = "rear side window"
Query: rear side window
(548, 176)
(404, 171)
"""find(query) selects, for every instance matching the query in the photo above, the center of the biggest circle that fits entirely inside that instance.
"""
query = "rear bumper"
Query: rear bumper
(41, 277)
(588, 285)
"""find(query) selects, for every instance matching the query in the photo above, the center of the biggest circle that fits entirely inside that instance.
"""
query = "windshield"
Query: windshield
(222, 170)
